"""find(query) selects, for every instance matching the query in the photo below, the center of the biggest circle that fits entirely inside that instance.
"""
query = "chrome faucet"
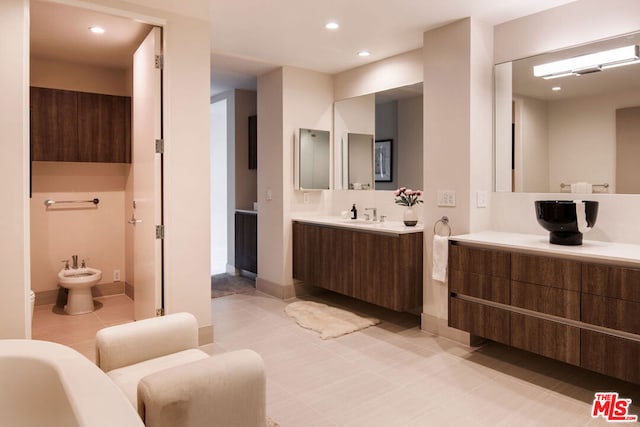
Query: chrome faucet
(374, 211)
(75, 262)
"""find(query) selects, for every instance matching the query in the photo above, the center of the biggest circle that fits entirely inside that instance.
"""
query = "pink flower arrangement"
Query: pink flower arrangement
(407, 197)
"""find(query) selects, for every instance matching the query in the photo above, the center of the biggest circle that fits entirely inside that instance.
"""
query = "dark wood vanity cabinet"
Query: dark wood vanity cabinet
(549, 305)
(71, 126)
(246, 241)
(380, 268)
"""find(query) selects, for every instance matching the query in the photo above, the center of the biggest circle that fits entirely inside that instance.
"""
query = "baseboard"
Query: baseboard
(205, 335)
(284, 292)
(232, 270)
(440, 327)
(103, 289)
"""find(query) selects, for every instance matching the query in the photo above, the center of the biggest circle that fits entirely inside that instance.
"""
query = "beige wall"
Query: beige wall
(15, 318)
(94, 233)
(408, 166)
(79, 77)
(288, 99)
(575, 23)
(186, 99)
(457, 141)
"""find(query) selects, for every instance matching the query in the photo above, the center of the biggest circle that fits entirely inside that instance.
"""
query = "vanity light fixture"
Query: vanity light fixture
(590, 63)
(364, 53)
(96, 29)
(332, 25)
(556, 88)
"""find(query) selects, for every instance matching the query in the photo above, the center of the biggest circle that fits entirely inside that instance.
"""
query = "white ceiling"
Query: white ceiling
(250, 37)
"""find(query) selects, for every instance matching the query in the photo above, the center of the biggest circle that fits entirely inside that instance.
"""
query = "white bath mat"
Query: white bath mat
(330, 322)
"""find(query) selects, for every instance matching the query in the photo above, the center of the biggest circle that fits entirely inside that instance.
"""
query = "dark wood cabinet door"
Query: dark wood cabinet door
(550, 339)
(546, 299)
(546, 271)
(609, 355)
(104, 128)
(480, 320)
(246, 242)
(54, 129)
(69, 126)
(336, 271)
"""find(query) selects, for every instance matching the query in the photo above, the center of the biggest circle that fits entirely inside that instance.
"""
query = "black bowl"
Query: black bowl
(560, 219)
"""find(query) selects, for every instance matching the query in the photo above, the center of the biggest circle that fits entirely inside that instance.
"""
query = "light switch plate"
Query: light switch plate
(446, 198)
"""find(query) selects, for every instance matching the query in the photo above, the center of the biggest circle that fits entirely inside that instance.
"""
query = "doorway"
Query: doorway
(103, 235)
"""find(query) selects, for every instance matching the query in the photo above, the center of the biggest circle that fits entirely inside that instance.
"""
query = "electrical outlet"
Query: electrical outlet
(116, 275)
(305, 198)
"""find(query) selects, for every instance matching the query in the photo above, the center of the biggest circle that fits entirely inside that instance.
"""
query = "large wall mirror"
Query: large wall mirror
(393, 115)
(572, 129)
(313, 160)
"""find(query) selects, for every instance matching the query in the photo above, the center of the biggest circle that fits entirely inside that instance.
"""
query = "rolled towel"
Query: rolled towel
(440, 258)
(581, 187)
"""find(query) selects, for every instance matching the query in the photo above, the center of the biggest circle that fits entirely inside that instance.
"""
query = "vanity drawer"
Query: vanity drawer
(546, 299)
(479, 286)
(611, 313)
(481, 320)
(479, 261)
(546, 271)
(611, 281)
(550, 339)
(608, 355)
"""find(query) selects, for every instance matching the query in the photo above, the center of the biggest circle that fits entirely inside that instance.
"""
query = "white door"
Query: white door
(147, 178)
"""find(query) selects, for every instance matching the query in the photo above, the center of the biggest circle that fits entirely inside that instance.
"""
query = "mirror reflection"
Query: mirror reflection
(314, 159)
(576, 133)
(394, 115)
(358, 162)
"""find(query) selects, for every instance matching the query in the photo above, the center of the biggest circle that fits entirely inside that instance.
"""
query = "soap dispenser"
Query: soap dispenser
(354, 212)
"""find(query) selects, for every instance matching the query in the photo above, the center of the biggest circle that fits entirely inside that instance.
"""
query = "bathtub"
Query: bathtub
(48, 384)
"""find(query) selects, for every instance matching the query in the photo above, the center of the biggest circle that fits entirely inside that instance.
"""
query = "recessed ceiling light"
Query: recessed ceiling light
(364, 53)
(96, 30)
(556, 88)
(332, 25)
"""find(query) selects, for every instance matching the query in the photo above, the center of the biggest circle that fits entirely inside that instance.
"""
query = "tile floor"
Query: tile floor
(392, 374)
(50, 323)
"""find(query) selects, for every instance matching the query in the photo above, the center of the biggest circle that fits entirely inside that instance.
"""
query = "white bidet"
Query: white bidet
(79, 282)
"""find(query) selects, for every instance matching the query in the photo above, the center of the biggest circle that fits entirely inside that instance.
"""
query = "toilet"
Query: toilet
(79, 282)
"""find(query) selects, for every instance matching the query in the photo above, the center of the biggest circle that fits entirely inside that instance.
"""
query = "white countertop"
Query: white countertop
(389, 227)
(590, 250)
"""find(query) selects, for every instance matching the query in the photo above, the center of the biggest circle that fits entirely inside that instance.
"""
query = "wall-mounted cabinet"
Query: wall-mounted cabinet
(69, 126)
(380, 268)
(585, 314)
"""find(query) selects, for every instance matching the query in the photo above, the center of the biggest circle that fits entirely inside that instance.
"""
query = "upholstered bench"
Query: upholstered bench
(171, 382)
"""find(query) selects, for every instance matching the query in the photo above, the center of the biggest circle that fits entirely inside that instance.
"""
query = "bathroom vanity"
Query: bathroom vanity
(380, 263)
(580, 305)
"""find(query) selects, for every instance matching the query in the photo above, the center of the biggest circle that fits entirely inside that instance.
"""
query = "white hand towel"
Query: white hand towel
(581, 187)
(440, 258)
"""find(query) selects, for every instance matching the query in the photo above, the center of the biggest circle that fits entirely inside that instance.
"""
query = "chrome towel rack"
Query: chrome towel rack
(50, 202)
(444, 222)
(605, 185)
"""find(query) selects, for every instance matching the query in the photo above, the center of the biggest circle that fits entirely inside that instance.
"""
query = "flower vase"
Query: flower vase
(410, 217)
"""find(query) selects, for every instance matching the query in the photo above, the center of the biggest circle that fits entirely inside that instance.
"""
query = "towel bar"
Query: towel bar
(50, 202)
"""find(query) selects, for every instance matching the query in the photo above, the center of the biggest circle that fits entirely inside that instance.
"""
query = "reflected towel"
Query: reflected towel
(440, 258)
(581, 187)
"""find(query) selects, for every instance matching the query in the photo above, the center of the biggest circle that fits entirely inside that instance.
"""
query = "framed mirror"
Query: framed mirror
(312, 168)
(392, 115)
(572, 129)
